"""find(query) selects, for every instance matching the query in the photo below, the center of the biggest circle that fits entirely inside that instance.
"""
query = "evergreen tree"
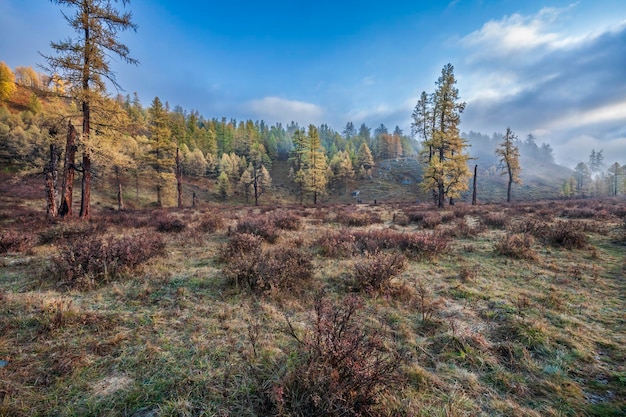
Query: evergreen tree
(161, 157)
(508, 152)
(446, 172)
(316, 178)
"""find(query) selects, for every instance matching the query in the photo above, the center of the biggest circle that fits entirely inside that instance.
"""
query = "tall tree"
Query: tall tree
(162, 149)
(582, 174)
(615, 171)
(508, 151)
(316, 178)
(446, 170)
(84, 63)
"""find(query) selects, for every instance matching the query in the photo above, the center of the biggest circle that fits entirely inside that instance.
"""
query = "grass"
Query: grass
(475, 330)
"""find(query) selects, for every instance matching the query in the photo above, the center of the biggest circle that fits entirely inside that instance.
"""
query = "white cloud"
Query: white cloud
(517, 34)
(276, 109)
(610, 113)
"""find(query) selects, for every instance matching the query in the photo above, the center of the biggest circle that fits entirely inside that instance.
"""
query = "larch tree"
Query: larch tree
(365, 160)
(84, 63)
(315, 177)
(615, 171)
(508, 153)
(446, 172)
(162, 149)
(7, 82)
(582, 174)
(297, 161)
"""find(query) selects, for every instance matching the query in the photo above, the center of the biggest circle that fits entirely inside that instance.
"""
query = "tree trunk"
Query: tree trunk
(51, 182)
(193, 199)
(474, 188)
(120, 195)
(67, 187)
(441, 198)
(256, 185)
(85, 200)
(508, 191)
(179, 179)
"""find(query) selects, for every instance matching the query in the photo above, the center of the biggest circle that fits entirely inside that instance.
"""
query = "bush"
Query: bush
(431, 219)
(211, 222)
(340, 368)
(566, 234)
(374, 271)
(357, 218)
(82, 263)
(259, 270)
(287, 221)
(518, 246)
(72, 229)
(495, 220)
(259, 226)
(424, 245)
(168, 224)
(16, 241)
(335, 244)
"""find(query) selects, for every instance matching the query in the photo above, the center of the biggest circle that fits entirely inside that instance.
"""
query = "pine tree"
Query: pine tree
(446, 170)
(508, 152)
(316, 178)
(163, 150)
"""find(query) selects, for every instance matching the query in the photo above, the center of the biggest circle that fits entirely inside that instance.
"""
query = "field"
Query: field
(373, 310)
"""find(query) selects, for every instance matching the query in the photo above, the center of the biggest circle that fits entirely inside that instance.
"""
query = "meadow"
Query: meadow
(394, 309)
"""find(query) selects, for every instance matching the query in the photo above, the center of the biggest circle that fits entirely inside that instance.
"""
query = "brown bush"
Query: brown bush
(72, 229)
(424, 245)
(495, 220)
(518, 246)
(211, 222)
(431, 219)
(167, 224)
(262, 271)
(85, 262)
(259, 226)
(16, 241)
(340, 367)
(401, 219)
(566, 234)
(241, 244)
(287, 221)
(357, 218)
(374, 271)
(335, 244)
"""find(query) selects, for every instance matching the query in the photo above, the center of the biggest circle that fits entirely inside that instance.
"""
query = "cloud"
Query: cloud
(276, 109)
(523, 72)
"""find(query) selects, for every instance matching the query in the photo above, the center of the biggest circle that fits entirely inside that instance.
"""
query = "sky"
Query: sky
(556, 69)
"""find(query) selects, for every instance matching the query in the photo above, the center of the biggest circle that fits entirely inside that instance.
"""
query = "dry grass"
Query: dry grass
(468, 320)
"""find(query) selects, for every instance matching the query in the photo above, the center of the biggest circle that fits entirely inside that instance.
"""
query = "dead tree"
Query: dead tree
(474, 188)
(67, 187)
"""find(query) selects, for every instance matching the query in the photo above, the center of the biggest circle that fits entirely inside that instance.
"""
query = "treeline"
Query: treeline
(156, 145)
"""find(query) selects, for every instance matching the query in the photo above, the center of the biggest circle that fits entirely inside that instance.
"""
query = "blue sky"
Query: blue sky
(553, 68)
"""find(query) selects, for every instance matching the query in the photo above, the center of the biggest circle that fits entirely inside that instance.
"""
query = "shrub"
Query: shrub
(340, 368)
(16, 241)
(566, 234)
(259, 226)
(84, 262)
(518, 246)
(335, 244)
(374, 271)
(72, 229)
(495, 220)
(287, 221)
(424, 245)
(259, 270)
(401, 219)
(211, 222)
(357, 218)
(431, 219)
(168, 224)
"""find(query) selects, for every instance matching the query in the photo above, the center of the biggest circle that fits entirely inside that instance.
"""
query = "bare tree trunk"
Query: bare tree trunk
(474, 188)
(120, 195)
(256, 185)
(508, 190)
(193, 199)
(51, 182)
(67, 187)
(85, 200)
(179, 178)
